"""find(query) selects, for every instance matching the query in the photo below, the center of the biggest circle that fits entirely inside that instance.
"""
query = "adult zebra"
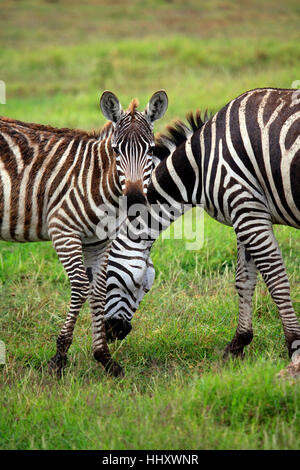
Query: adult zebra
(243, 166)
(55, 184)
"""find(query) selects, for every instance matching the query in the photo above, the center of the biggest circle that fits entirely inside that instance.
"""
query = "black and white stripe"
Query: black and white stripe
(243, 166)
(134, 160)
(58, 184)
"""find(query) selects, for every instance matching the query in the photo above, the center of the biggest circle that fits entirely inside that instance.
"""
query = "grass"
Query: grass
(177, 392)
(61, 86)
(175, 378)
(237, 408)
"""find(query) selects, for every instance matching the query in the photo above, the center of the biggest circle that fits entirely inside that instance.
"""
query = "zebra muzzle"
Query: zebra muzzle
(135, 194)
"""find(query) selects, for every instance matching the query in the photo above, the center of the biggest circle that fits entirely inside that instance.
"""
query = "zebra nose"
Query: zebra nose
(134, 193)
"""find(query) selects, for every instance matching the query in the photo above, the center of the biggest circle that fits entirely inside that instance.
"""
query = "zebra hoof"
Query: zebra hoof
(110, 365)
(114, 369)
(56, 365)
(229, 351)
(236, 347)
(117, 328)
(234, 350)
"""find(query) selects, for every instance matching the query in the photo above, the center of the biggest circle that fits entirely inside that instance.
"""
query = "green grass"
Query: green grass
(56, 58)
(177, 393)
(61, 86)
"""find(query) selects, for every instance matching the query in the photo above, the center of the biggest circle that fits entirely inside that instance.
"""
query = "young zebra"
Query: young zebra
(243, 166)
(54, 184)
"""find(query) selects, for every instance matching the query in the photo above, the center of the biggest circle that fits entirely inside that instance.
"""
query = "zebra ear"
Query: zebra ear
(157, 105)
(110, 106)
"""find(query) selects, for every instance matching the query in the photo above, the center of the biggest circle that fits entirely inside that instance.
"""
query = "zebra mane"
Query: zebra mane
(133, 105)
(177, 133)
(105, 131)
(64, 131)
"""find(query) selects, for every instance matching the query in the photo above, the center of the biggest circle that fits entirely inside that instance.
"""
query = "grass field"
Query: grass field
(56, 58)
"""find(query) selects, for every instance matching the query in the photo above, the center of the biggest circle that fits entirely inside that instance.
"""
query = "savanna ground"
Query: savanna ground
(56, 57)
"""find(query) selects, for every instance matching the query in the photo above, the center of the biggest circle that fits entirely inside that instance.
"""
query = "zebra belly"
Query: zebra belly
(89, 243)
(284, 194)
(219, 217)
(18, 216)
(6, 236)
(19, 226)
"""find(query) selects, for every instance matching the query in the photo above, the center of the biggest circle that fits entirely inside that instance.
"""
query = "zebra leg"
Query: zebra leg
(97, 298)
(246, 275)
(262, 245)
(69, 250)
(94, 256)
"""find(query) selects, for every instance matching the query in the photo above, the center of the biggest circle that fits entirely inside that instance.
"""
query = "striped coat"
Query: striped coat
(243, 166)
(56, 184)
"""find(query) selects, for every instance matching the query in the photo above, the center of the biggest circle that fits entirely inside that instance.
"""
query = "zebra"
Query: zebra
(54, 184)
(243, 166)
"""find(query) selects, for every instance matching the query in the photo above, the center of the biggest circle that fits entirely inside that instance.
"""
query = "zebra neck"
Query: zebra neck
(178, 178)
(102, 182)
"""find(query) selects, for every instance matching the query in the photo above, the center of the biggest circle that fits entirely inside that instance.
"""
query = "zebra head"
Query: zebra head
(133, 141)
(130, 275)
